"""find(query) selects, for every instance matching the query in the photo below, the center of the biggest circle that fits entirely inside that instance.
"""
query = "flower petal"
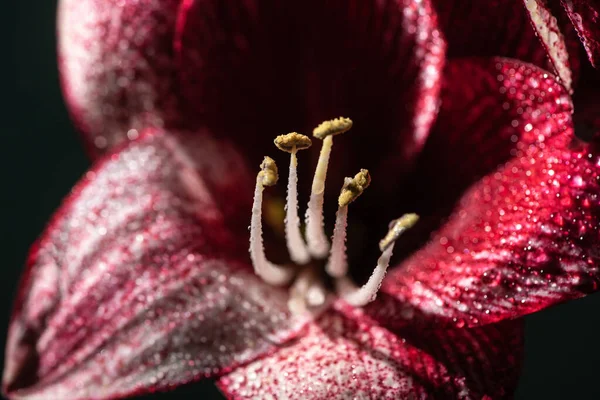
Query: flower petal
(116, 64)
(526, 235)
(549, 32)
(585, 16)
(502, 107)
(347, 355)
(136, 283)
(257, 69)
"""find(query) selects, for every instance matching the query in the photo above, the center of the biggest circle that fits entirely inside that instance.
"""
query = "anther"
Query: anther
(367, 293)
(268, 172)
(397, 228)
(353, 187)
(337, 266)
(332, 127)
(315, 235)
(271, 273)
(291, 143)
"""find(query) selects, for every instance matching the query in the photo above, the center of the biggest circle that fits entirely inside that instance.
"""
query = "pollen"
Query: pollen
(268, 172)
(354, 187)
(397, 228)
(332, 127)
(292, 141)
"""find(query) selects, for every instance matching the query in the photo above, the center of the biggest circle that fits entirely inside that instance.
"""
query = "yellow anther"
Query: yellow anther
(332, 127)
(353, 187)
(268, 172)
(292, 141)
(397, 228)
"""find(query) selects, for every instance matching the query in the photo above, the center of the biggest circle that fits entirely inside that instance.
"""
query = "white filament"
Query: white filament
(337, 266)
(295, 244)
(269, 272)
(361, 296)
(318, 245)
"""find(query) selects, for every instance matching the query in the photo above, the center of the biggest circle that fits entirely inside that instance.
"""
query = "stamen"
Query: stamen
(271, 273)
(337, 266)
(315, 235)
(367, 293)
(291, 143)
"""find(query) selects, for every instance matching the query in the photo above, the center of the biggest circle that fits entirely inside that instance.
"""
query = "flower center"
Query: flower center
(309, 289)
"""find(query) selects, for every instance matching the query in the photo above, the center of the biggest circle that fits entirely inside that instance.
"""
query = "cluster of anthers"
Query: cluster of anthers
(309, 290)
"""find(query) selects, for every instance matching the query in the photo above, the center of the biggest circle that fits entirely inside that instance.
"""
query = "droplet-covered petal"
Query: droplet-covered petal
(525, 236)
(491, 108)
(346, 354)
(497, 28)
(137, 285)
(117, 66)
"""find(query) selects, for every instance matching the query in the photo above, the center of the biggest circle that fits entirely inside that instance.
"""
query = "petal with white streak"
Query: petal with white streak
(346, 354)
(137, 285)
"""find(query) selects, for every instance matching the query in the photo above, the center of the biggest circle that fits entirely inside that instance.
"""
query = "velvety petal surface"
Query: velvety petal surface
(494, 28)
(346, 354)
(256, 69)
(585, 16)
(136, 284)
(525, 236)
(116, 64)
(490, 108)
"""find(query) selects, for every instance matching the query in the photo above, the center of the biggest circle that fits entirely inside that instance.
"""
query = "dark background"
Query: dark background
(41, 158)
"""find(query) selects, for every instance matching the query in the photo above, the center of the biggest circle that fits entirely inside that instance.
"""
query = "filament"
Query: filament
(271, 273)
(318, 244)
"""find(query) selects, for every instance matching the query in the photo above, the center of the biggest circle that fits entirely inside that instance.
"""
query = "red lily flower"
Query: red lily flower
(141, 281)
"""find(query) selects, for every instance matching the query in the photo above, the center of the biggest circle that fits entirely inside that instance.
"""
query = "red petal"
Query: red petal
(135, 285)
(116, 63)
(525, 236)
(256, 69)
(491, 28)
(490, 108)
(549, 32)
(585, 16)
(346, 355)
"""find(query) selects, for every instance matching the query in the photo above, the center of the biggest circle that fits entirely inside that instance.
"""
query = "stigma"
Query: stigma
(307, 280)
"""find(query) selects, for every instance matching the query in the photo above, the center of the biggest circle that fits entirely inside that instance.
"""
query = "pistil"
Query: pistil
(318, 245)
(271, 273)
(291, 143)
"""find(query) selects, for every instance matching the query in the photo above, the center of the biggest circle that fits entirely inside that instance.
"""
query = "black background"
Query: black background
(41, 158)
